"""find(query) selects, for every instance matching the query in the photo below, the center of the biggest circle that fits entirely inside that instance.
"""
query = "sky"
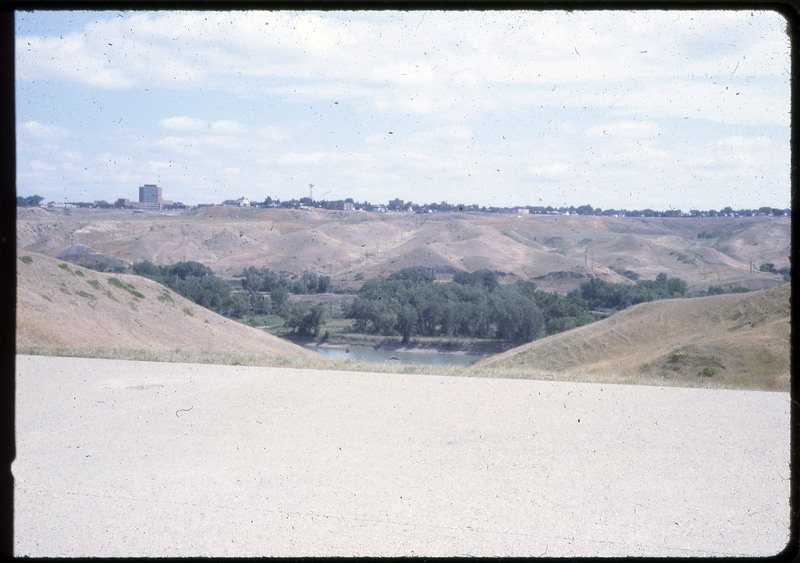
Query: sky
(625, 110)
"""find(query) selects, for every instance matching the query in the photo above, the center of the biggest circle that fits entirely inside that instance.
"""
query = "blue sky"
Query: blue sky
(627, 110)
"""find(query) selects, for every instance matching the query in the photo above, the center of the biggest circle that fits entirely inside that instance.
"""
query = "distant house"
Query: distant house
(523, 211)
(241, 202)
(338, 205)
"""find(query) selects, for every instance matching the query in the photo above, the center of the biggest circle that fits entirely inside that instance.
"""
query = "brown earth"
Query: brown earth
(740, 340)
(60, 304)
(703, 251)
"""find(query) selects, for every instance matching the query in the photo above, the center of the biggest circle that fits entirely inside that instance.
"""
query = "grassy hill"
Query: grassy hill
(346, 245)
(738, 340)
(64, 305)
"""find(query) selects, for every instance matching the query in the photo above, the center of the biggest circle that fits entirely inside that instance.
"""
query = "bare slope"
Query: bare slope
(739, 339)
(344, 245)
(61, 304)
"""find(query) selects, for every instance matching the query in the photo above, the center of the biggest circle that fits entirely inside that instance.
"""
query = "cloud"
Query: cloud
(222, 127)
(42, 131)
(314, 159)
(69, 57)
(626, 130)
(414, 104)
(38, 166)
(553, 170)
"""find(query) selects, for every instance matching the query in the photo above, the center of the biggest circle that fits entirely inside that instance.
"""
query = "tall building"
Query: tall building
(149, 193)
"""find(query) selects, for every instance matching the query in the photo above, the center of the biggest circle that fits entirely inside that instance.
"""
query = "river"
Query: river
(370, 356)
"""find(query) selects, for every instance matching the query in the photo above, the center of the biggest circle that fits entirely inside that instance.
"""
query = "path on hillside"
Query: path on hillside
(121, 458)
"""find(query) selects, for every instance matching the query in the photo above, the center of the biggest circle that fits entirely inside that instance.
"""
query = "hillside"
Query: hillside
(738, 339)
(60, 304)
(561, 251)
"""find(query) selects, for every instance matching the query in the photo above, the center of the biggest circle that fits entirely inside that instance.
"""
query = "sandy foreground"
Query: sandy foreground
(122, 458)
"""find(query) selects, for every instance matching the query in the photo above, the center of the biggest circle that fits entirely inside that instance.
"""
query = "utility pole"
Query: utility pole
(311, 192)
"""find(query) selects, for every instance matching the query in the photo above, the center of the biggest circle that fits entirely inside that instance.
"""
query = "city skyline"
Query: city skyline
(630, 110)
(393, 204)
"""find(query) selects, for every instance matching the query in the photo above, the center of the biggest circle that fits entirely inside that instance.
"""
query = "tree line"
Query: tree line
(198, 283)
(410, 303)
(444, 207)
(398, 205)
(264, 279)
(602, 295)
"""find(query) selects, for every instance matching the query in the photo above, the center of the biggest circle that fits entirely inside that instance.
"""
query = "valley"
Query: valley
(558, 252)
(66, 309)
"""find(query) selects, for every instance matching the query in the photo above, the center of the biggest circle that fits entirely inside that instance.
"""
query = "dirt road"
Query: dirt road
(119, 458)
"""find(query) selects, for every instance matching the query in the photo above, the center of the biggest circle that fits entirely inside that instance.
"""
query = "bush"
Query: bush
(302, 317)
(708, 371)
(129, 287)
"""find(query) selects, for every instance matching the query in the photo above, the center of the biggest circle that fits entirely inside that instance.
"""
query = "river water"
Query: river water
(370, 356)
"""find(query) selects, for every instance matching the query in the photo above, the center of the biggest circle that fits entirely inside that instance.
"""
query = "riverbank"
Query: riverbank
(395, 344)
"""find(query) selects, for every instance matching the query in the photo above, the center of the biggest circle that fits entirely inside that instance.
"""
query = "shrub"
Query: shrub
(129, 287)
(26, 259)
(708, 371)
(165, 297)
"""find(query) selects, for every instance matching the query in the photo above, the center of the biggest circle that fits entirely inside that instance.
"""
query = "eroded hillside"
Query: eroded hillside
(60, 304)
(741, 340)
(560, 250)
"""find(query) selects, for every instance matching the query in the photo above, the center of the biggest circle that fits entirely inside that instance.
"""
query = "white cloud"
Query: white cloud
(39, 166)
(315, 159)
(472, 99)
(42, 131)
(626, 130)
(69, 57)
(182, 123)
(554, 169)
(222, 127)
(180, 145)
(72, 156)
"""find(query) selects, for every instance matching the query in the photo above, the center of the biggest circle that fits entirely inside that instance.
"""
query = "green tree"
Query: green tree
(278, 297)
(310, 279)
(30, 201)
(407, 322)
(416, 275)
(324, 284)
(146, 268)
(303, 318)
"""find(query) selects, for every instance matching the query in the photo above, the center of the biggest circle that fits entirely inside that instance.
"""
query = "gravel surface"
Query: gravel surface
(122, 458)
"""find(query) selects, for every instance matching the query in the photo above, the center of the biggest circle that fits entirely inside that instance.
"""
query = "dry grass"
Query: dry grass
(344, 244)
(306, 363)
(61, 305)
(739, 340)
